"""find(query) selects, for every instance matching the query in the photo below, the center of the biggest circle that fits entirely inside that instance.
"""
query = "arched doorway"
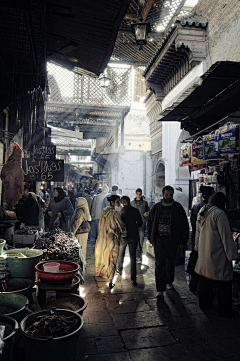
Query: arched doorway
(160, 178)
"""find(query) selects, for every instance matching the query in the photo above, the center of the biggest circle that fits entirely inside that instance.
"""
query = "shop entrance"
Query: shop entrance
(160, 178)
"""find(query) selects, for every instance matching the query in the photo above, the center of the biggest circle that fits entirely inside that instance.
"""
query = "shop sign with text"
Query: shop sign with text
(38, 170)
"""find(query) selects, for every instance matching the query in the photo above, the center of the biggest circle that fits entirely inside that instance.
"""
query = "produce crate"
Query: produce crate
(150, 249)
(19, 238)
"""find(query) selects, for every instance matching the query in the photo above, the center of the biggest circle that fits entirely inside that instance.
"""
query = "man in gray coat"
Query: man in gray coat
(114, 191)
(216, 250)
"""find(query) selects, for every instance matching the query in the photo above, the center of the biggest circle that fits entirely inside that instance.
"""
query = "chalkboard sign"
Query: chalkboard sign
(41, 152)
(39, 170)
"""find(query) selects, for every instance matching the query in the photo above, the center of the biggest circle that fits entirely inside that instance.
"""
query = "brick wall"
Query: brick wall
(223, 32)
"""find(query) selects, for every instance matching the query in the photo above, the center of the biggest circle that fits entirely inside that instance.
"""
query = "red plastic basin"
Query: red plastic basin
(42, 300)
(67, 271)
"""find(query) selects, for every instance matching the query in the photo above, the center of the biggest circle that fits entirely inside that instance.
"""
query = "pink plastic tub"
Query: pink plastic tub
(52, 267)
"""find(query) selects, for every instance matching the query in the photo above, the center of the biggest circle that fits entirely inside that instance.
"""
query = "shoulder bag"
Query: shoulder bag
(84, 228)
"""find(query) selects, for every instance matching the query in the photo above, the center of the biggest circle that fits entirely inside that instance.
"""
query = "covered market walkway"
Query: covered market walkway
(128, 324)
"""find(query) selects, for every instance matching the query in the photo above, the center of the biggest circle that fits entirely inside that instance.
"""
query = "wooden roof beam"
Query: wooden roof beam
(144, 15)
(131, 17)
(146, 9)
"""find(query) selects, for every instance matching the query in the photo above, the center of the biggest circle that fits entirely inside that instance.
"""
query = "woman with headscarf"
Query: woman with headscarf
(80, 215)
(111, 229)
(216, 250)
(60, 210)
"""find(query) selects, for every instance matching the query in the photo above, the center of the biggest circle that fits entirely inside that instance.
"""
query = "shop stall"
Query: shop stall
(214, 160)
(29, 285)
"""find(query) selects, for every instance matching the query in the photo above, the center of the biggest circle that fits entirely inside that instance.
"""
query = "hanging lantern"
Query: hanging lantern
(104, 81)
(141, 31)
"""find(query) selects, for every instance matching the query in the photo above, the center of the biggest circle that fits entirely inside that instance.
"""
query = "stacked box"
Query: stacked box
(20, 238)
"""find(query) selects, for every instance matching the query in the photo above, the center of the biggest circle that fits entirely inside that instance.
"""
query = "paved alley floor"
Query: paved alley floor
(128, 324)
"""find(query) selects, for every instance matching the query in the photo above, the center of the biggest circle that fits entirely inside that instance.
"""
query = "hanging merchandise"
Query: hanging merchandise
(197, 153)
(208, 147)
(185, 154)
(228, 139)
(216, 139)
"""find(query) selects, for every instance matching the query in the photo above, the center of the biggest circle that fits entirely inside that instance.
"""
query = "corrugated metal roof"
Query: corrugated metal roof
(216, 98)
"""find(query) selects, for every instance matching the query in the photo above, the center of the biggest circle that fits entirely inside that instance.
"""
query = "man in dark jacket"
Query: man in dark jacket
(167, 227)
(27, 209)
(132, 219)
(139, 203)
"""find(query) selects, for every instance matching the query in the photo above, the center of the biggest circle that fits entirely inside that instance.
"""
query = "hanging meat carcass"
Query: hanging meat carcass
(13, 178)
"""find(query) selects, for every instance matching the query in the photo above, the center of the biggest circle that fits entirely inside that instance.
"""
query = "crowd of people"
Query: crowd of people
(115, 222)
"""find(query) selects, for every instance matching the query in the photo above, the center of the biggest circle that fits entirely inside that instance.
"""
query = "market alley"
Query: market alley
(128, 324)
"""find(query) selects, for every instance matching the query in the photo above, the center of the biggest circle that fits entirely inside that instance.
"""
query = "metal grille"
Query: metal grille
(127, 51)
(170, 9)
(67, 87)
(161, 17)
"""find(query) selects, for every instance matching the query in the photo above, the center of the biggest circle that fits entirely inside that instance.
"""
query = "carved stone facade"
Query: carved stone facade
(182, 49)
(153, 108)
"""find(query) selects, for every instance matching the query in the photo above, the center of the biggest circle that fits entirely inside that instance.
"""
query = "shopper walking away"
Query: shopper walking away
(142, 205)
(97, 210)
(41, 210)
(111, 230)
(113, 192)
(167, 227)
(72, 198)
(60, 210)
(206, 191)
(41, 193)
(216, 250)
(88, 197)
(27, 209)
(51, 193)
(79, 225)
(133, 220)
(46, 197)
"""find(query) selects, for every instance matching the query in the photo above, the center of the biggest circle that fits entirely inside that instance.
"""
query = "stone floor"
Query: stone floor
(128, 324)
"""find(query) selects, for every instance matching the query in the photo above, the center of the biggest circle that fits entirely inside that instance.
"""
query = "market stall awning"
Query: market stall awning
(216, 98)
(81, 34)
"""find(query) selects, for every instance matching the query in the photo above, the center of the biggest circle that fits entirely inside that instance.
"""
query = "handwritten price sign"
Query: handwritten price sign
(43, 170)
(43, 152)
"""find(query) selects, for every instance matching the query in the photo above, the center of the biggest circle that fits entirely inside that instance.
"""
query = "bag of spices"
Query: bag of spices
(185, 154)
(208, 147)
(197, 153)
(228, 139)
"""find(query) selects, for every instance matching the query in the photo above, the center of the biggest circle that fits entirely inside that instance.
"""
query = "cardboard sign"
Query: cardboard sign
(38, 170)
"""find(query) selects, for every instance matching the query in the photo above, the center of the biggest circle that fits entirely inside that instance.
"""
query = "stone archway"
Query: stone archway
(160, 178)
